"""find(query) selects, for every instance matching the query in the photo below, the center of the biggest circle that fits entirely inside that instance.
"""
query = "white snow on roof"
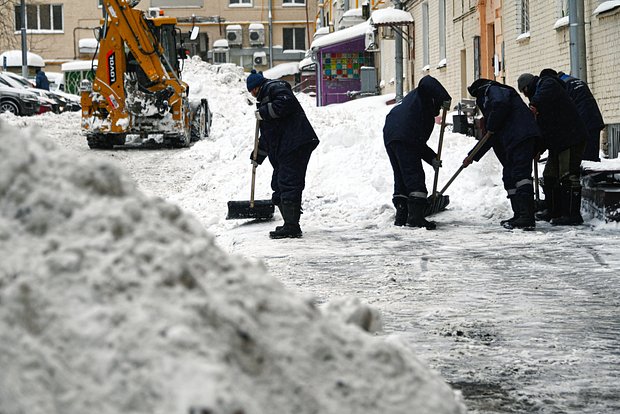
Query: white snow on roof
(321, 31)
(90, 43)
(390, 15)
(341, 35)
(257, 26)
(283, 69)
(77, 65)
(353, 13)
(606, 6)
(220, 43)
(233, 27)
(14, 58)
(305, 62)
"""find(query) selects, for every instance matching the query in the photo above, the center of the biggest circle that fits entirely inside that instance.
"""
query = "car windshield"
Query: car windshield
(21, 80)
(9, 81)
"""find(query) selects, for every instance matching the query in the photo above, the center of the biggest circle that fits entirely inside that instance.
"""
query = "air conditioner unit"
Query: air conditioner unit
(257, 34)
(234, 35)
(153, 12)
(259, 59)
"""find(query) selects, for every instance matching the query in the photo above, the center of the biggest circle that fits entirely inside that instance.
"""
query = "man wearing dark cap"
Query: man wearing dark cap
(563, 132)
(513, 138)
(288, 139)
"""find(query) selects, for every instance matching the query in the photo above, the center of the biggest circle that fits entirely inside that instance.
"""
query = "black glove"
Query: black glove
(260, 157)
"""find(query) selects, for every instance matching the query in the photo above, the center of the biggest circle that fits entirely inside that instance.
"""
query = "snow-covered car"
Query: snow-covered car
(49, 100)
(18, 101)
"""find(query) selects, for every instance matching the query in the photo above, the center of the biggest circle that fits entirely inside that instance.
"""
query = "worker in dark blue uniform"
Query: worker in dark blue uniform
(514, 136)
(288, 139)
(588, 109)
(41, 81)
(564, 134)
(407, 128)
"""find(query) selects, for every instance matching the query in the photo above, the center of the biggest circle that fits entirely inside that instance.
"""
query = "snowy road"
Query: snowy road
(519, 321)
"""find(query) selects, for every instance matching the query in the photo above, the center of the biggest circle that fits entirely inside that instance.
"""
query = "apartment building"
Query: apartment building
(250, 33)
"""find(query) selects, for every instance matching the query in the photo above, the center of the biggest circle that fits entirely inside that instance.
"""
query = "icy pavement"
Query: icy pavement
(519, 321)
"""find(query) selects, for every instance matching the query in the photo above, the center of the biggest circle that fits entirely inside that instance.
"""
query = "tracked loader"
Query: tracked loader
(137, 89)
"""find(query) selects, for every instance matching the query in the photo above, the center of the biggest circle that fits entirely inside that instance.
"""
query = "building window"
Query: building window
(294, 38)
(524, 16)
(562, 8)
(40, 18)
(293, 2)
(100, 4)
(442, 29)
(220, 57)
(240, 3)
(425, 34)
(177, 3)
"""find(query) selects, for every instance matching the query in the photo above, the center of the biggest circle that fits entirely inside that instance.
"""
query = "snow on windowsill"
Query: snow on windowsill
(523, 37)
(442, 63)
(426, 68)
(560, 23)
(607, 7)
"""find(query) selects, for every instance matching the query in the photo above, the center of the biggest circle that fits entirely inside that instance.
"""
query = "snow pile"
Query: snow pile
(114, 302)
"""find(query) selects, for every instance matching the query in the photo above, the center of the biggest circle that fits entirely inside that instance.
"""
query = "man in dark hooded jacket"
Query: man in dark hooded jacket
(588, 109)
(287, 137)
(407, 128)
(513, 138)
(563, 132)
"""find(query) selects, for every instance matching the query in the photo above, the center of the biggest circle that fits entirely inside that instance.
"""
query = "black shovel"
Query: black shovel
(253, 209)
(470, 157)
(437, 201)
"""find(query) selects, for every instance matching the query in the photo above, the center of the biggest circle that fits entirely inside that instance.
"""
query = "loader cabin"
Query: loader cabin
(165, 30)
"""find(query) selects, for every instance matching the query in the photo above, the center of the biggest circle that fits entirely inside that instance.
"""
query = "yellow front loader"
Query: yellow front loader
(137, 90)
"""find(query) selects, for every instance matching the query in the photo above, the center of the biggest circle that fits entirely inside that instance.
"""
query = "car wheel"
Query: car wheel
(8, 106)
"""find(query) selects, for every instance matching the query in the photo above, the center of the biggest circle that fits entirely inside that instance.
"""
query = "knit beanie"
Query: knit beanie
(255, 79)
(524, 80)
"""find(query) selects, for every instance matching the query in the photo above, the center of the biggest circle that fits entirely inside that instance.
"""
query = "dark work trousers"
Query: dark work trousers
(408, 172)
(289, 174)
(564, 167)
(517, 167)
(593, 145)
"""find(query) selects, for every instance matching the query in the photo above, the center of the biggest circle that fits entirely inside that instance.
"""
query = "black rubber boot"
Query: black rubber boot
(400, 203)
(525, 213)
(552, 204)
(416, 207)
(290, 212)
(514, 210)
(571, 208)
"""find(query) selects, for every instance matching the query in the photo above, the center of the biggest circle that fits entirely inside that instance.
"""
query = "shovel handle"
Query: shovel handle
(254, 158)
(474, 151)
(537, 190)
(441, 132)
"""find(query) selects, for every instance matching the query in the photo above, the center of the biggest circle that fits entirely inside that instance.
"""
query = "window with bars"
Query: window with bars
(294, 38)
(425, 36)
(524, 16)
(40, 17)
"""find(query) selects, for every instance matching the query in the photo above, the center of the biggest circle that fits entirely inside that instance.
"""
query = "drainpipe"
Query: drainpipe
(398, 57)
(577, 33)
(270, 34)
(24, 42)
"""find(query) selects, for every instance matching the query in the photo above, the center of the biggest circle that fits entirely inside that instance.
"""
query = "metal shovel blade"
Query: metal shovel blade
(436, 203)
(262, 210)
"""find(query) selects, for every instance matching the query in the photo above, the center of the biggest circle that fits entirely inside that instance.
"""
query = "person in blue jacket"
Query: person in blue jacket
(407, 128)
(514, 136)
(288, 139)
(41, 81)
(564, 134)
(588, 109)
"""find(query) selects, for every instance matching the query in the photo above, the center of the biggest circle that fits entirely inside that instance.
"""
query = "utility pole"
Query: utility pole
(577, 33)
(398, 57)
(270, 33)
(24, 41)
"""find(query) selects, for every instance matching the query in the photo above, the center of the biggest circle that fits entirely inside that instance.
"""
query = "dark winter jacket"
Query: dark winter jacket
(506, 115)
(412, 121)
(557, 116)
(41, 81)
(579, 92)
(284, 126)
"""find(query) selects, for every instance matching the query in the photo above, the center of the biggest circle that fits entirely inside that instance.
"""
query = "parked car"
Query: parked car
(18, 101)
(49, 100)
